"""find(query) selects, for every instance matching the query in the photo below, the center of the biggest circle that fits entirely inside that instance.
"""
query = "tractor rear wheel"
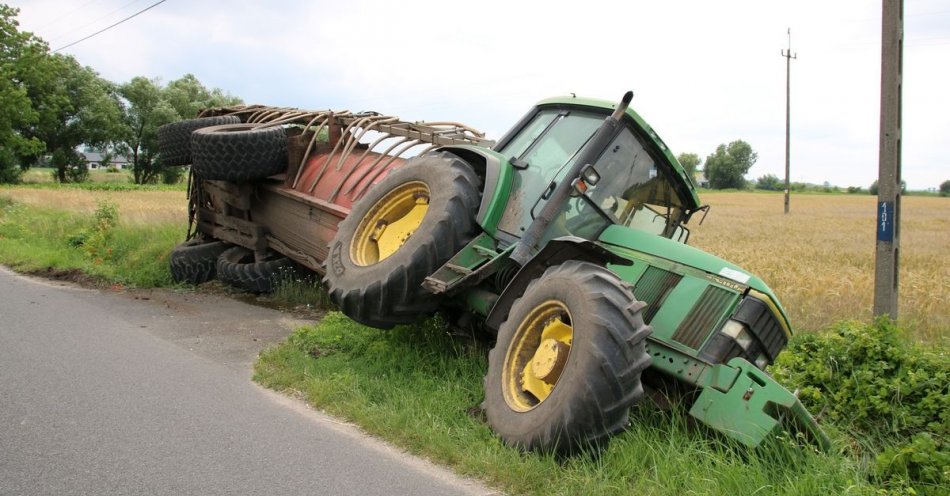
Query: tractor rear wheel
(567, 363)
(193, 261)
(238, 267)
(402, 231)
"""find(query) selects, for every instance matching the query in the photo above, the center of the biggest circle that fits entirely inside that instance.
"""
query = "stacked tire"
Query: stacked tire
(174, 140)
(237, 267)
(195, 261)
(224, 149)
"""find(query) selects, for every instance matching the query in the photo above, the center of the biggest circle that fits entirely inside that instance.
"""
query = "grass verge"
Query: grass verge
(36, 239)
(419, 387)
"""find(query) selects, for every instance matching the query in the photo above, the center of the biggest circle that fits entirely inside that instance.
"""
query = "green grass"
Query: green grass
(420, 387)
(36, 239)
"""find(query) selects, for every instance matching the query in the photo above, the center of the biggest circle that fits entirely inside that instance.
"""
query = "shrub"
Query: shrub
(891, 395)
(96, 238)
(172, 175)
(769, 182)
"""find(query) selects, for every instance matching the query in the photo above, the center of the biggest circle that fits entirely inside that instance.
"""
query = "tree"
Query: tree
(51, 104)
(188, 96)
(75, 107)
(770, 182)
(726, 168)
(16, 110)
(689, 161)
(945, 188)
(144, 111)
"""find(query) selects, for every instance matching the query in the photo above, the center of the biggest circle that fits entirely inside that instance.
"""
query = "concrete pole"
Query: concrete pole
(889, 171)
(788, 115)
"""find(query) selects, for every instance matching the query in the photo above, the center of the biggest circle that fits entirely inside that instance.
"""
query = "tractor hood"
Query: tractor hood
(678, 253)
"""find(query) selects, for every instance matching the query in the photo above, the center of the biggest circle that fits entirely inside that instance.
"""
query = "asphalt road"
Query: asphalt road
(114, 393)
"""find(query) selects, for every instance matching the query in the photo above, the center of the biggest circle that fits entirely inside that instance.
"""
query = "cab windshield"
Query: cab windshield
(634, 190)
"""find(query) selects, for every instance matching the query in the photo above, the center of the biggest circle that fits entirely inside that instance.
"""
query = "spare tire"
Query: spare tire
(238, 152)
(174, 140)
(402, 231)
(194, 261)
(236, 266)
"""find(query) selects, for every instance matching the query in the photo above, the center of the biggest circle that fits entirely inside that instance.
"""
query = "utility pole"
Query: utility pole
(788, 113)
(889, 168)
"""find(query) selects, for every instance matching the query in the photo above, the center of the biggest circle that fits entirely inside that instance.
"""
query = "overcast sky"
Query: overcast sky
(703, 72)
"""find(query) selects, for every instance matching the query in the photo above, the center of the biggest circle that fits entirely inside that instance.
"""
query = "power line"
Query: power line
(65, 16)
(68, 33)
(111, 26)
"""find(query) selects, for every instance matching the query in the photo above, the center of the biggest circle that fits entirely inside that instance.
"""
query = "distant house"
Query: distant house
(94, 160)
(699, 179)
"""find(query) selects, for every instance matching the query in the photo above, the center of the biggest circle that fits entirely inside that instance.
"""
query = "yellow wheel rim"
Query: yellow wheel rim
(537, 355)
(390, 223)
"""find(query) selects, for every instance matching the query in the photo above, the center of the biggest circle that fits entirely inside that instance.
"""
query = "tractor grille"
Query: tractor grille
(652, 289)
(703, 317)
(757, 316)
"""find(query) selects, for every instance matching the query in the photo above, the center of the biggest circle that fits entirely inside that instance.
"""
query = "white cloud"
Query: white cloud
(704, 73)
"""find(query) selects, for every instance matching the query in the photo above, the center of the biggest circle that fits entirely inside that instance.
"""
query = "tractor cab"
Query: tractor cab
(635, 182)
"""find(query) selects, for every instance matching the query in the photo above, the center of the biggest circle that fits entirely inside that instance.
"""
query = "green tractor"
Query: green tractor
(566, 240)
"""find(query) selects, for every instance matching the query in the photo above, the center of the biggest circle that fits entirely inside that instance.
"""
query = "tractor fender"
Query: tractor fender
(555, 252)
(496, 175)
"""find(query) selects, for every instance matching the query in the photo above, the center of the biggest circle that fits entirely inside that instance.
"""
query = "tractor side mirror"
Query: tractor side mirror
(588, 178)
(590, 175)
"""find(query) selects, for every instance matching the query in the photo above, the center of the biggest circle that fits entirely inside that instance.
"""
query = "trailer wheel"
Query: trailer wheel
(566, 366)
(402, 231)
(236, 266)
(238, 152)
(174, 140)
(194, 261)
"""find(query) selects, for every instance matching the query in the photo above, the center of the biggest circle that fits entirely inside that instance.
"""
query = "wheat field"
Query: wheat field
(135, 207)
(819, 259)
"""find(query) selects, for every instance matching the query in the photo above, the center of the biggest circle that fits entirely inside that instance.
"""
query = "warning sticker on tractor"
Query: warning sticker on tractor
(735, 275)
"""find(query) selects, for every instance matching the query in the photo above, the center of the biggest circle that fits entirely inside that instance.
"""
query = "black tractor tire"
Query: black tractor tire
(236, 266)
(389, 292)
(238, 152)
(174, 140)
(194, 261)
(600, 380)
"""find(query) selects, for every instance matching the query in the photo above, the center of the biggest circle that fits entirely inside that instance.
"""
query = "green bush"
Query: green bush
(890, 395)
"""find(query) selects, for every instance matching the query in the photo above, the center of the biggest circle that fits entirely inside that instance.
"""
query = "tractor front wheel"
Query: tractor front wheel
(566, 367)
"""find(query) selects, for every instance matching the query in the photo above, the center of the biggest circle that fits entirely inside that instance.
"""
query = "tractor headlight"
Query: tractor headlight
(738, 332)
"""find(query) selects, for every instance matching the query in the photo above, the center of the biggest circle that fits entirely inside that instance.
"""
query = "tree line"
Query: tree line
(727, 166)
(50, 106)
(724, 168)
